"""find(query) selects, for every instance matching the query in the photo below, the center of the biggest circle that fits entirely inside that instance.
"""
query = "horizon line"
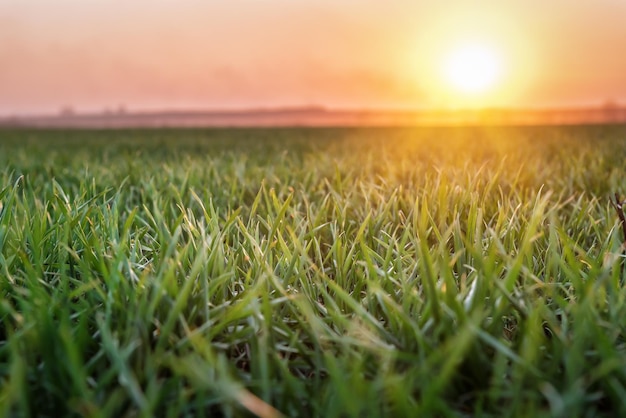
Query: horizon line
(121, 109)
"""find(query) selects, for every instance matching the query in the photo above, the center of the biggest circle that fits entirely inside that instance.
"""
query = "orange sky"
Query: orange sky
(158, 54)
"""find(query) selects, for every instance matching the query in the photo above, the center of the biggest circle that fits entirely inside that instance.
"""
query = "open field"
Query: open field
(322, 272)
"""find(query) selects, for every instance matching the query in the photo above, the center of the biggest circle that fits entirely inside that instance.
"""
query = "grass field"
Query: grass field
(331, 273)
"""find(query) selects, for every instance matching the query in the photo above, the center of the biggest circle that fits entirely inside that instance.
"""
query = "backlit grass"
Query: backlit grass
(331, 273)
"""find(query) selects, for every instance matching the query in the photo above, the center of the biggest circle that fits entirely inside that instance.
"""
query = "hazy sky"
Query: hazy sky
(156, 54)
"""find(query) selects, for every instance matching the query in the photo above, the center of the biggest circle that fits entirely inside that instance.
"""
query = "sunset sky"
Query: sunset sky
(213, 54)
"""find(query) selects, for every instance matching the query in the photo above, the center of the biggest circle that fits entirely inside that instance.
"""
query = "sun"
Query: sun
(472, 68)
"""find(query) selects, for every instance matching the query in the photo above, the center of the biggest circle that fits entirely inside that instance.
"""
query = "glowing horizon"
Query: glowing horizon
(274, 53)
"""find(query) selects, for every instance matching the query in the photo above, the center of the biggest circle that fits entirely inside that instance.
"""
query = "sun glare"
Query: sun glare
(472, 68)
